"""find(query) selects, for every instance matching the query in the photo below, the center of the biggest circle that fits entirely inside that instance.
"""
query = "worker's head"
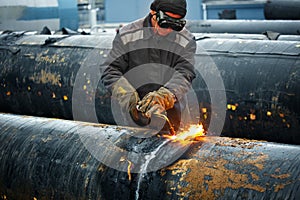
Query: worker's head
(168, 15)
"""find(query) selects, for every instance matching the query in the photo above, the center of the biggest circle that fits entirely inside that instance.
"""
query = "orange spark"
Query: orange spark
(192, 133)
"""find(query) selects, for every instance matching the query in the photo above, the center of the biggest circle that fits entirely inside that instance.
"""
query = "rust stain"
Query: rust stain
(214, 176)
(280, 176)
(43, 57)
(93, 124)
(203, 178)
(280, 186)
(237, 142)
(162, 172)
(101, 168)
(258, 162)
(46, 77)
(254, 176)
(129, 170)
(123, 159)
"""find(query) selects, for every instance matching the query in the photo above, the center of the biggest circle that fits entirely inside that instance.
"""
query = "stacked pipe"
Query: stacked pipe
(268, 35)
(285, 27)
(44, 158)
(282, 10)
(261, 82)
(261, 103)
(60, 159)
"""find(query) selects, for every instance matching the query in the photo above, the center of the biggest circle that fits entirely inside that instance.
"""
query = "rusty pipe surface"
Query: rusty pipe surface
(40, 75)
(46, 158)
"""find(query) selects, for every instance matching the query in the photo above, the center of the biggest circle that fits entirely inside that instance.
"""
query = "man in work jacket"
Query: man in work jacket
(151, 65)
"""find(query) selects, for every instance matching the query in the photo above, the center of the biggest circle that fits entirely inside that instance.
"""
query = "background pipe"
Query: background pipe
(261, 80)
(284, 10)
(261, 103)
(287, 27)
(46, 158)
(264, 36)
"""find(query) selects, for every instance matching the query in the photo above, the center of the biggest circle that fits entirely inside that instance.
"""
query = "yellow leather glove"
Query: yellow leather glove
(128, 98)
(157, 101)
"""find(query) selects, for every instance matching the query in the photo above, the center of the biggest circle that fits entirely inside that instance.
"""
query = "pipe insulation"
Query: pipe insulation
(44, 158)
(58, 76)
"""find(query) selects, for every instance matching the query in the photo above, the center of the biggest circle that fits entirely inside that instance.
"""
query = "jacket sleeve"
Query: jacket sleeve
(115, 65)
(181, 80)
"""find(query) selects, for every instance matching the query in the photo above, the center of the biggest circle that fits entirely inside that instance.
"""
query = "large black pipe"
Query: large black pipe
(38, 73)
(282, 10)
(44, 158)
(260, 77)
(287, 27)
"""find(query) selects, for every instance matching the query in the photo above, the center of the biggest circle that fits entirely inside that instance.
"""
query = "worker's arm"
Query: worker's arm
(115, 65)
(112, 77)
(181, 81)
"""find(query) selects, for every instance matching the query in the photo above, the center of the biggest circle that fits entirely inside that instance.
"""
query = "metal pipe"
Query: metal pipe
(44, 158)
(288, 27)
(204, 11)
(92, 13)
(261, 80)
(201, 36)
(282, 10)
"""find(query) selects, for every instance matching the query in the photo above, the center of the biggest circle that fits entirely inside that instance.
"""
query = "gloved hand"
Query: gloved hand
(137, 116)
(128, 99)
(157, 101)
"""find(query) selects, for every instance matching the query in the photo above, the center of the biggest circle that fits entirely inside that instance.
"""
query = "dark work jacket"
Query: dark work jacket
(149, 61)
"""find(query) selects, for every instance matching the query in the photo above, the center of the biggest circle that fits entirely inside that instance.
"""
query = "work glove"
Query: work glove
(157, 101)
(128, 98)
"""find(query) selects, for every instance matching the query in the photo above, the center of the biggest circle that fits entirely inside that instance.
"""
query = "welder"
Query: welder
(164, 49)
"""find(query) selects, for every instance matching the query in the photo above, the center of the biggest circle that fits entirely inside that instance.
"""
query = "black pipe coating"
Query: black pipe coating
(261, 82)
(282, 10)
(42, 158)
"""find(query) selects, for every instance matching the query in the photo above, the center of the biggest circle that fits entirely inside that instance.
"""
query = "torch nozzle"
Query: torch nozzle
(158, 114)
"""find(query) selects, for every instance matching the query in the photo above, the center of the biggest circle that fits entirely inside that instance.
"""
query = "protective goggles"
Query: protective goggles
(165, 21)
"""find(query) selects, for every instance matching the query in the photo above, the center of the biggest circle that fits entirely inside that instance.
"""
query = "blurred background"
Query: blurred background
(33, 15)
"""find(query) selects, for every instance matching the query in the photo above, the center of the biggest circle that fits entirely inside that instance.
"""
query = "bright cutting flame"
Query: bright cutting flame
(192, 133)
